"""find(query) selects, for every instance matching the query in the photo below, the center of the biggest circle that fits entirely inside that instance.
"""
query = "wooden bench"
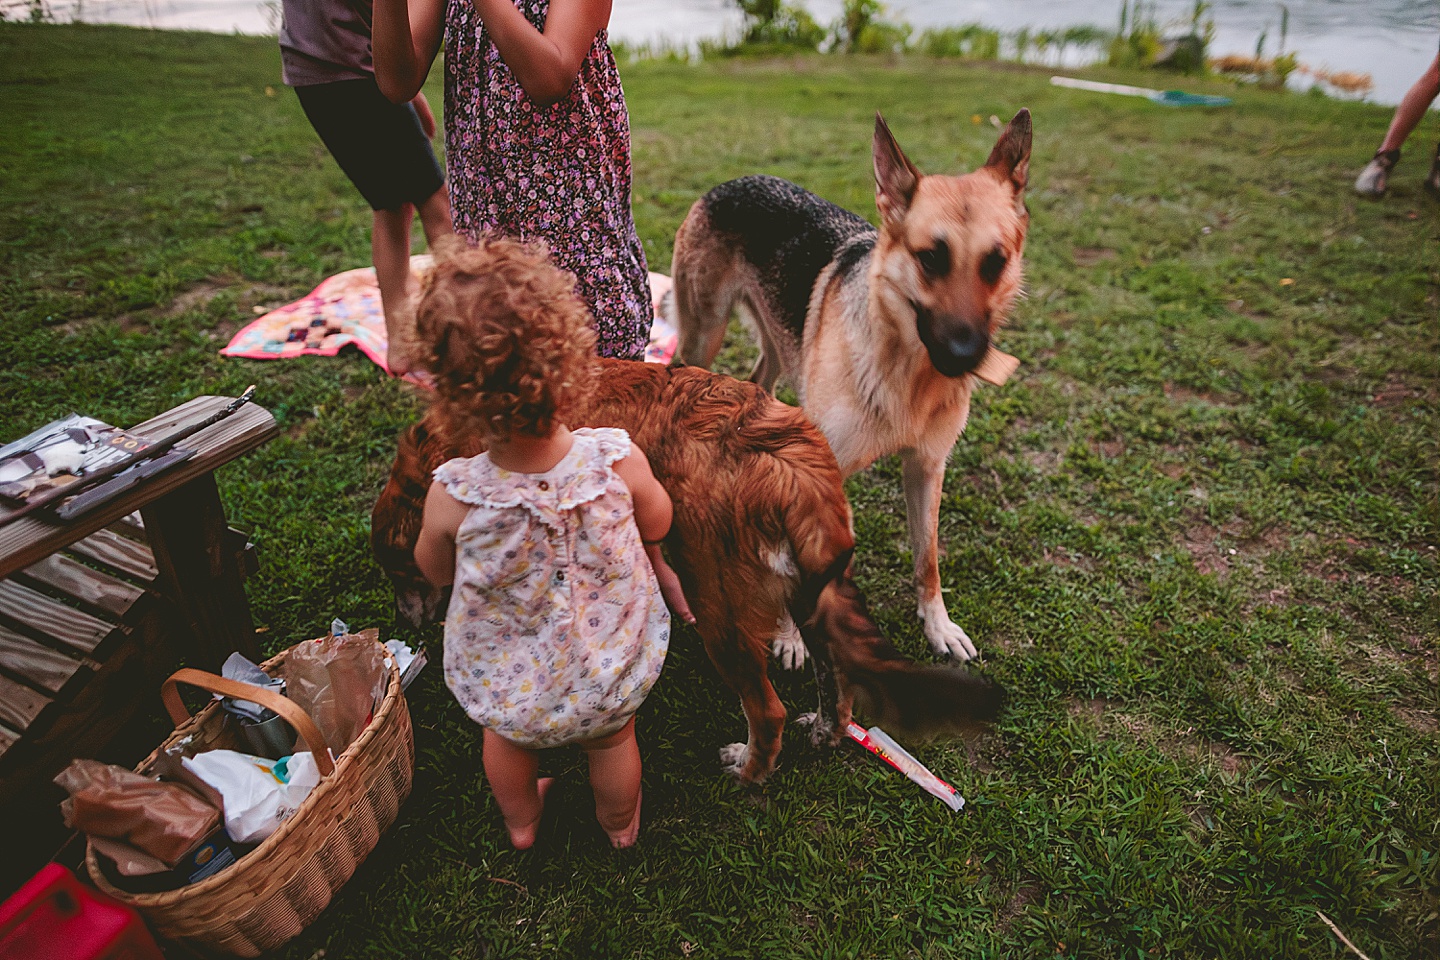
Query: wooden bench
(96, 612)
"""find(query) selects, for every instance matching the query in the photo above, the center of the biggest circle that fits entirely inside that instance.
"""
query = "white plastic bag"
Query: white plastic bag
(258, 794)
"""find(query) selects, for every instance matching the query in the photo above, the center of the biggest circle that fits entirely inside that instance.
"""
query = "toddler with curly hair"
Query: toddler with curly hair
(557, 626)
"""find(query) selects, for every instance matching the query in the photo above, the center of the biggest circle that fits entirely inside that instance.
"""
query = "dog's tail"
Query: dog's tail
(904, 697)
(856, 663)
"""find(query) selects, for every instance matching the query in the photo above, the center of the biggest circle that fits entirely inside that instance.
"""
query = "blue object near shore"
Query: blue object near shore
(1171, 98)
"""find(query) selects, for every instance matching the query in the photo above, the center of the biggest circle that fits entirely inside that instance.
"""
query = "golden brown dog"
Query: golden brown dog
(761, 528)
(883, 329)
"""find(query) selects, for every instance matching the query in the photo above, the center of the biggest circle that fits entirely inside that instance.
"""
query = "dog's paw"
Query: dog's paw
(788, 646)
(733, 757)
(945, 636)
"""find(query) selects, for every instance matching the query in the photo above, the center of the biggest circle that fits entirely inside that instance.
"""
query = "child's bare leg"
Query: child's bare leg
(390, 249)
(435, 216)
(511, 771)
(615, 776)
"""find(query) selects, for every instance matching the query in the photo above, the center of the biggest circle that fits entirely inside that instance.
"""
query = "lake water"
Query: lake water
(1392, 40)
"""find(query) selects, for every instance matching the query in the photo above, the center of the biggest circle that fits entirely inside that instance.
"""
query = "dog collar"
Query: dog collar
(996, 367)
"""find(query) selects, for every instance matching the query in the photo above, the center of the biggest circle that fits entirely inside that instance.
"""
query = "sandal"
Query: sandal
(1373, 179)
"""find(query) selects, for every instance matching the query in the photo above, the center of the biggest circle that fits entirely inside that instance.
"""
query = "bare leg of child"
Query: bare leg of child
(511, 771)
(435, 216)
(390, 249)
(615, 777)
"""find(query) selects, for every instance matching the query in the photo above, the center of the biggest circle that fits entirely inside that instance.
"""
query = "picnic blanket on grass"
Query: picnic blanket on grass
(344, 311)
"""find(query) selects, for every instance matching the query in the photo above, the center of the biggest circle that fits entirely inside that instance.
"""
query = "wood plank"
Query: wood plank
(35, 663)
(128, 556)
(36, 611)
(31, 539)
(85, 584)
(125, 687)
(19, 705)
(7, 739)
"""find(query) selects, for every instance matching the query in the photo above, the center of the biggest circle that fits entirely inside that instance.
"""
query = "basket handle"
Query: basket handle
(284, 706)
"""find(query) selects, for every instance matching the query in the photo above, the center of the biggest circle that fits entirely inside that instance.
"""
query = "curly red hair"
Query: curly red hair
(510, 342)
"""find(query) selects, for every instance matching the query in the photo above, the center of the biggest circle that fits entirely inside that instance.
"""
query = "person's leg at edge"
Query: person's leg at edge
(390, 246)
(435, 216)
(615, 777)
(390, 249)
(511, 770)
(1373, 179)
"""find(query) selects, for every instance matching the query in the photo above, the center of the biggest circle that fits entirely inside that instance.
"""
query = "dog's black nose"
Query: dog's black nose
(955, 348)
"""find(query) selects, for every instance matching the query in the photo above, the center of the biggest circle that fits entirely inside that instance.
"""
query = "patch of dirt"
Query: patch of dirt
(1200, 818)
(1216, 550)
(1200, 750)
(1064, 558)
(223, 331)
(1024, 895)
(1421, 721)
(1089, 256)
(261, 298)
(1139, 727)
(1109, 449)
(1173, 471)
(196, 298)
(1046, 462)
(1186, 395)
(1092, 709)
(1201, 541)
(1277, 597)
(1396, 392)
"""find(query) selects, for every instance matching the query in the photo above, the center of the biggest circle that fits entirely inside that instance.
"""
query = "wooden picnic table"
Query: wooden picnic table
(95, 612)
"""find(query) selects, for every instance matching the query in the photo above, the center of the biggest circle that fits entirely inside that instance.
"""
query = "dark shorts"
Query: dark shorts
(380, 145)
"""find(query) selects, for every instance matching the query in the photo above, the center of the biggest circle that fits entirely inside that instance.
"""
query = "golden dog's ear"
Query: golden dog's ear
(896, 178)
(1011, 156)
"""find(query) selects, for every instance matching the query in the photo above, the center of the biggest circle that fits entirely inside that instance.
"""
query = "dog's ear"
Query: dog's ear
(895, 176)
(1011, 156)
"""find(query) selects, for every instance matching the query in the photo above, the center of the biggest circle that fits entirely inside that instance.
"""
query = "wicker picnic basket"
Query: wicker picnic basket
(272, 893)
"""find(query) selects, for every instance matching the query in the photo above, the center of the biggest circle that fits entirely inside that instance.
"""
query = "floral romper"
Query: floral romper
(559, 173)
(556, 629)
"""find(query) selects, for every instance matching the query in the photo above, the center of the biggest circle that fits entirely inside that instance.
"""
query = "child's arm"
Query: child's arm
(545, 64)
(653, 513)
(404, 39)
(435, 550)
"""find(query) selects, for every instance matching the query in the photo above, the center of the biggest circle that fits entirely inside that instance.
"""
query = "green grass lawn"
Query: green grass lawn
(1195, 536)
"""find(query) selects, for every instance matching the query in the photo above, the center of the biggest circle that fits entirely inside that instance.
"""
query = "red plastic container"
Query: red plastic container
(55, 917)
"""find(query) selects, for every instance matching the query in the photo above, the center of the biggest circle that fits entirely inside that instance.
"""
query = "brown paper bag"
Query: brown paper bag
(164, 820)
(338, 681)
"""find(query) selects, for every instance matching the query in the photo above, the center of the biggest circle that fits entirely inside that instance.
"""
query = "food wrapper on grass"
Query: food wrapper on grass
(337, 680)
(164, 820)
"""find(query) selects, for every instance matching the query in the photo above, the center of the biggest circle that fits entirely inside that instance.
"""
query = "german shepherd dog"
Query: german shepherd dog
(761, 527)
(882, 330)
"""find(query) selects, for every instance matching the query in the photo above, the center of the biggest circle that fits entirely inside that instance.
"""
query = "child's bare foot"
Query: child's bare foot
(523, 837)
(628, 834)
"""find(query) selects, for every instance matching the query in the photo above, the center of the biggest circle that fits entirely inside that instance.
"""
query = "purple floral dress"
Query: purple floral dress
(559, 173)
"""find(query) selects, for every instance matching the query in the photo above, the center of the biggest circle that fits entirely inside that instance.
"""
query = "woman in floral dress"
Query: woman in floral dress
(537, 137)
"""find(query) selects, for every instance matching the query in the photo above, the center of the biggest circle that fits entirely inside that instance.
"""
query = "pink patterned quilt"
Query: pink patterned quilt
(344, 310)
